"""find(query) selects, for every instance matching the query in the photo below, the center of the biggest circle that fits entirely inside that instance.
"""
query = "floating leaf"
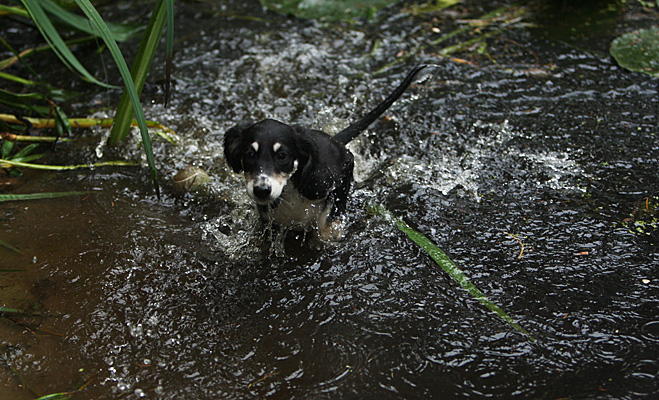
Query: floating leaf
(332, 10)
(638, 51)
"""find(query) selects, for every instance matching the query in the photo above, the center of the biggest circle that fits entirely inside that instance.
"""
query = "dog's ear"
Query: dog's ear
(306, 147)
(233, 140)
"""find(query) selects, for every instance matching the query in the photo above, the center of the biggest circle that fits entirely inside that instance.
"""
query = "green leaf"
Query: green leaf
(331, 10)
(7, 147)
(446, 264)
(141, 65)
(120, 32)
(62, 124)
(638, 51)
(26, 151)
(48, 31)
(105, 34)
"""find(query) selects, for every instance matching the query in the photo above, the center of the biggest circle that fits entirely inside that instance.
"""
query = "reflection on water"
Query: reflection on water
(187, 297)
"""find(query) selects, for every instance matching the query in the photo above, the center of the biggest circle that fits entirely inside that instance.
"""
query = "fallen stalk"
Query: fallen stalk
(26, 138)
(446, 264)
(8, 164)
(37, 196)
(46, 123)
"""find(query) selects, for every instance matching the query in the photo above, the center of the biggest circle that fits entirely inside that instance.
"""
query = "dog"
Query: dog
(300, 178)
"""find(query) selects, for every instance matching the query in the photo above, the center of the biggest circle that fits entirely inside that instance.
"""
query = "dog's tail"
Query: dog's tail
(355, 129)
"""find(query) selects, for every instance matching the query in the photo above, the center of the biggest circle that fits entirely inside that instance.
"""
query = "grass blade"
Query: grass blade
(57, 396)
(10, 247)
(139, 71)
(170, 48)
(105, 34)
(24, 101)
(17, 79)
(120, 32)
(38, 196)
(447, 265)
(8, 10)
(48, 31)
(28, 52)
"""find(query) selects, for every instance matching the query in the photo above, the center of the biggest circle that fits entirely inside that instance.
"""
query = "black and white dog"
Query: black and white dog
(299, 177)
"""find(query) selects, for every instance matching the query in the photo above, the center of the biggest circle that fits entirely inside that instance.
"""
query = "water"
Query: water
(551, 148)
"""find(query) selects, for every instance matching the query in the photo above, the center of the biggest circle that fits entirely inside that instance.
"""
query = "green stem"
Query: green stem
(446, 264)
(37, 196)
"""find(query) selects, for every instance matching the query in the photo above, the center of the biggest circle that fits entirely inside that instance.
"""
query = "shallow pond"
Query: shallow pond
(525, 160)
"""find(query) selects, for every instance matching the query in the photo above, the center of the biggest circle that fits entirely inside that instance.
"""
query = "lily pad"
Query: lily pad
(638, 51)
(331, 10)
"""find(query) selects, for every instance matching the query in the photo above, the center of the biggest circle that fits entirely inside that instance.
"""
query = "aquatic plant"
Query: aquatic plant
(638, 51)
(446, 264)
(43, 13)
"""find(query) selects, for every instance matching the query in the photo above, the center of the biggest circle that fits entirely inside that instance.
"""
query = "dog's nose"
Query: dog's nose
(262, 191)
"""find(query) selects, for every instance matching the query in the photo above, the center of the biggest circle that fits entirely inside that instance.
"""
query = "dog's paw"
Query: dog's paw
(331, 231)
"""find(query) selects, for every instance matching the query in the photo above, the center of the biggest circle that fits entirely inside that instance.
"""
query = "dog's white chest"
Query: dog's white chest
(295, 210)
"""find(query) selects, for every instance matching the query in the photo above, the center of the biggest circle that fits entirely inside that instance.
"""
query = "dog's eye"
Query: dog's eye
(250, 155)
(282, 155)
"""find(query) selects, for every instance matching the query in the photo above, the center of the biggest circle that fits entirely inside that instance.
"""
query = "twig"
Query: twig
(521, 252)
(266, 376)
(484, 21)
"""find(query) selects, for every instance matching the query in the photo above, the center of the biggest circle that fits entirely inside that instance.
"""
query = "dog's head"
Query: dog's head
(269, 153)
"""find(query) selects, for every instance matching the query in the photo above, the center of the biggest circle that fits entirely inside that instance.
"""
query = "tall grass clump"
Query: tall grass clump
(39, 98)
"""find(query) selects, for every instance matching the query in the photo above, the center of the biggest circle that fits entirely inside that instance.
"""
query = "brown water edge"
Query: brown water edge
(66, 244)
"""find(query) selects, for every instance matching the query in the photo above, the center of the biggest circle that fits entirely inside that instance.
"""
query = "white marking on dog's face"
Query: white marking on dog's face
(275, 183)
(255, 146)
(276, 147)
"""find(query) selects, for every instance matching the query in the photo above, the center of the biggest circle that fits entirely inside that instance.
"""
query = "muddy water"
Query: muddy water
(522, 170)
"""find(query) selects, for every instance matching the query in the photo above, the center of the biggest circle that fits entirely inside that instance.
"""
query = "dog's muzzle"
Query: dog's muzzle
(264, 189)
